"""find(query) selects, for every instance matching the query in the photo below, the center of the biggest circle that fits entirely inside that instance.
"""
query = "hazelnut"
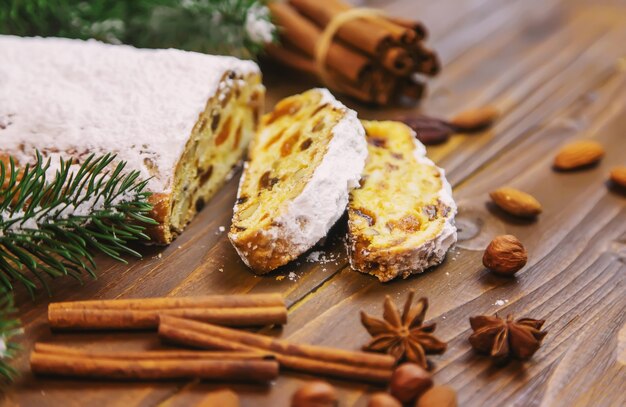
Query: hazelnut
(409, 381)
(383, 400)
(505, 255)
(438, 396)
(315, 394)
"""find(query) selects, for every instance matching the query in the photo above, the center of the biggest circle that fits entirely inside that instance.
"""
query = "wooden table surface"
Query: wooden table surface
(557, 71)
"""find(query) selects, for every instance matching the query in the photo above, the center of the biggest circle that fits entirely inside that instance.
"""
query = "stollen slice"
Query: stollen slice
(401, 218)
(306, 157)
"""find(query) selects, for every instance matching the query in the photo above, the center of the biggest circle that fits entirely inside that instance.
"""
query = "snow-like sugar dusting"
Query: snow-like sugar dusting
(321, 257)
(62, 95)
(258, 25)
(307, 218)
(325, 197)
(19, 222)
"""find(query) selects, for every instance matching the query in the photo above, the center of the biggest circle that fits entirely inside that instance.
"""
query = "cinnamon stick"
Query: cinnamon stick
(174, 333)
(398, 61)
(427, 62)
(385, 86)
(87, 318)
(417, 27)
(303, 34)
(305, 358)
(287, 56)
(340, 370)
(150, 354)
(355, 358)
(302, 364)
(153, 369)
(399, 33)
(207, 301)
(359, 33)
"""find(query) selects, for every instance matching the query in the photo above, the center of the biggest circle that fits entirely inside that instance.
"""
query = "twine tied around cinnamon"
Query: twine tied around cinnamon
(325, 41)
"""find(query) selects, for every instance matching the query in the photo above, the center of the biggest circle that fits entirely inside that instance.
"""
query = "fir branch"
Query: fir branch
(51, 228)
(231, 27)
(9, 327)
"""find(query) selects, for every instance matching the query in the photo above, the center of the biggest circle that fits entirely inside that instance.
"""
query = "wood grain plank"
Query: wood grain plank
(569, 257)
(551, 67)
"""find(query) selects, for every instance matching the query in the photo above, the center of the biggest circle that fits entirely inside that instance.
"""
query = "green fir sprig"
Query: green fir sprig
(9, 327)
(227, 27)
(51, 225)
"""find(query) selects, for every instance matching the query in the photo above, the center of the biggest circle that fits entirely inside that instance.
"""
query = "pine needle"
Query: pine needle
(222, 27)
(9, 327)
(51, 225)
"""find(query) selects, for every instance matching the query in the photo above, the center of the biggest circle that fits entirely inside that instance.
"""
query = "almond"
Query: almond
(505, 255)
(516, 202)
(618, 175)
(475, 119)
(578, 154)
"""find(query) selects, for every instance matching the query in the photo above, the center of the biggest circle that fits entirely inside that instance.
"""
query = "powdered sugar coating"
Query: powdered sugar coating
(59, 95)
(433, 252)
(323, 200)
(307, 218)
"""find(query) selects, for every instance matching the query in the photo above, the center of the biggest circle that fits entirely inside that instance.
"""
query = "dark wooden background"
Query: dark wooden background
(557, 70)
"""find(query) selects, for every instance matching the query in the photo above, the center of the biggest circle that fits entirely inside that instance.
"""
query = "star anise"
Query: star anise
(405, 336)
(504, 338)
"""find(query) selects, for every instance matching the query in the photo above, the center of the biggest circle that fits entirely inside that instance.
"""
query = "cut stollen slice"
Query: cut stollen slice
(306, 157)
(182, 119)
(401, 218)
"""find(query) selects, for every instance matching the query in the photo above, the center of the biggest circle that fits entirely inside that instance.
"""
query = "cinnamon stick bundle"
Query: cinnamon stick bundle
(377, 37)
(250, 370)
(370, 58)
(305, 358)
(235, 310)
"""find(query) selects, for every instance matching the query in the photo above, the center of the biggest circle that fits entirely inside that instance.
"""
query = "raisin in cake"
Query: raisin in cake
(183, 119)
(401, 219)
(307, 155)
